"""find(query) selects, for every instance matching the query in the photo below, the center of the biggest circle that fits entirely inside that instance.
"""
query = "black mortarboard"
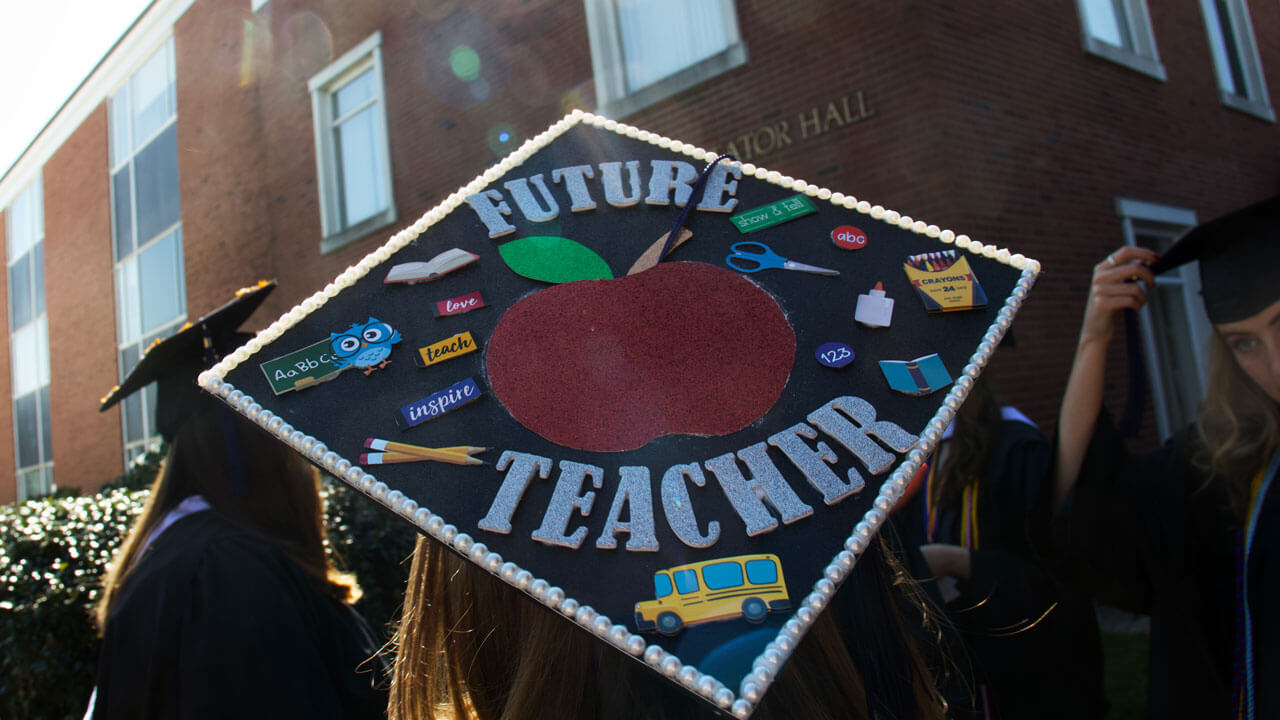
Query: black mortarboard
(1239, 254)
(174, 362)
(651, 434)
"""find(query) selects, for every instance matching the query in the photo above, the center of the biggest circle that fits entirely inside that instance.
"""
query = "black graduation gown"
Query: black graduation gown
(1149, 533)
(216, 622)
(1033, 641)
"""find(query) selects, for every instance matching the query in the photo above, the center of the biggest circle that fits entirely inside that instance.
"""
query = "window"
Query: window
(722, 575)
(1235, 57)
(353, 161)
(762, 572)
(29, 343)
(150, 283)
(643, 51)
(1175, 329)
(686, 581)
(1120, 31)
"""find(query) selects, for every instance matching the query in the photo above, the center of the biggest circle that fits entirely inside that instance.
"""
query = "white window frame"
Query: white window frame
(608, 62)
(1253, 100)
(368, 54)
(125, 271)
(1140, 217)
(38, 325)
(1142, 57)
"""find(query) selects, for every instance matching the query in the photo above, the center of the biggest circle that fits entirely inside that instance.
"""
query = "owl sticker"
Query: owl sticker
(364, 345)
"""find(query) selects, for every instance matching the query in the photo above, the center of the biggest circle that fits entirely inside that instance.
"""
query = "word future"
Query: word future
(622, 186)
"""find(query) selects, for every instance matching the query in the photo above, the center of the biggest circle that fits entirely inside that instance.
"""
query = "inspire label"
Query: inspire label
(459, 305)
(774, 213)
(437, 404)
(452, 347)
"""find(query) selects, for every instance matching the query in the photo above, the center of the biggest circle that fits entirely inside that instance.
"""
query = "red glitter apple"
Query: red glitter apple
(609, 365)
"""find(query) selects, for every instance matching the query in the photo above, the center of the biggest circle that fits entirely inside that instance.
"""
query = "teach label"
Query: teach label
(437, 404)
(301, 368)
(774, 213)
(459, 305)
(452, 347)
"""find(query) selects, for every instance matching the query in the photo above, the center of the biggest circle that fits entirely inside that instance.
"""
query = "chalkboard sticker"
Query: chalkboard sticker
(303, 368)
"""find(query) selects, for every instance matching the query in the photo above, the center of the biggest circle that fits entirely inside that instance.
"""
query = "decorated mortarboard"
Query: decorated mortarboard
(686, 460)
(174, 362)
(1237, 253)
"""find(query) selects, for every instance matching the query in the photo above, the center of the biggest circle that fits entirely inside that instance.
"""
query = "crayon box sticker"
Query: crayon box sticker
(944, 281)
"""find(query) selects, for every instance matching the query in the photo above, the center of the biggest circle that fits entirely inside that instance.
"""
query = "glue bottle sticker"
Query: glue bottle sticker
(874, 309)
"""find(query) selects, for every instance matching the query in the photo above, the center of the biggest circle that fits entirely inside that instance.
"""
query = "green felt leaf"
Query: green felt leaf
(554, 259)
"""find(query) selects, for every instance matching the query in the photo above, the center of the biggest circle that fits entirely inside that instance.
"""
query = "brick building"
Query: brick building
(223, 141)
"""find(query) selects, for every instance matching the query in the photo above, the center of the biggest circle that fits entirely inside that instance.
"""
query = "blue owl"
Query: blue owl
(364, 345)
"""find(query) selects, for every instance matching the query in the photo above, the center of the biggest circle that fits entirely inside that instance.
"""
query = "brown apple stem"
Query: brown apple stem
(649, 257)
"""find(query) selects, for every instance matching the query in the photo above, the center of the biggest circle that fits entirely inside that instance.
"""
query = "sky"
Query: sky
(48, 47)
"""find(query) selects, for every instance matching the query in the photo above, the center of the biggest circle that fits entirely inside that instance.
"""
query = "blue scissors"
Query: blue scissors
(750, 256)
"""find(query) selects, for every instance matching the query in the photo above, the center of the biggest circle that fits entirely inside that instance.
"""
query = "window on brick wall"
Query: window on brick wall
(1235, 57)
(353, 160)
(643, 51)
(29, 343)
(1175, 329)
(151, 300)
(1120, 31)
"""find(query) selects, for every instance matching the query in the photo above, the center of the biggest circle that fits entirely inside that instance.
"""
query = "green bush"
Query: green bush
(53, 552)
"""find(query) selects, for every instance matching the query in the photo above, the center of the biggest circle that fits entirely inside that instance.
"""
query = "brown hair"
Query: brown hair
(280, 499)
(977, 427)
(1237, 425)
(469, 646)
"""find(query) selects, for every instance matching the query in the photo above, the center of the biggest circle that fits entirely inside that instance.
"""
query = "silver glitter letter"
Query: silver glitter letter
(490, 206)
(564, 501)
(635, 492)
(611, 177)
(748, 496)
(853, 436)
(668, 174)
(814, 464)
(679, 509)
(576, 185)
(528, 204)
(523, 467)
(717, 186)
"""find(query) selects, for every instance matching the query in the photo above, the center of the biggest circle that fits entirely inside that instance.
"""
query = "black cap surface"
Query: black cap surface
(1239, 254)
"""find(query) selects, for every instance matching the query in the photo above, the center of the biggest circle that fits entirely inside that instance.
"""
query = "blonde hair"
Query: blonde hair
(1238, 424)
(469, 646)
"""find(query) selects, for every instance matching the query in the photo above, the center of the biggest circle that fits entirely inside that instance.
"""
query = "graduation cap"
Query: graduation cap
(627, 448)
(174, 362)
(1232, 250)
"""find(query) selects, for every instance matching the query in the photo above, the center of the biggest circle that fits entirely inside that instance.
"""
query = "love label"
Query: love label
(446, 349)
(458, 305)
(774, 213)
(437, 404)
(302, 368)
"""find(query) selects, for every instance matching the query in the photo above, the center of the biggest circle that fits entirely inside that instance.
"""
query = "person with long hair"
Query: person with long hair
(1189, 534)
(470, 646)
(970, 512)
(222, 602)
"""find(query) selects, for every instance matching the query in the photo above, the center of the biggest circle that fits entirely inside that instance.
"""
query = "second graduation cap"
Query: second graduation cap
(668, 466)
